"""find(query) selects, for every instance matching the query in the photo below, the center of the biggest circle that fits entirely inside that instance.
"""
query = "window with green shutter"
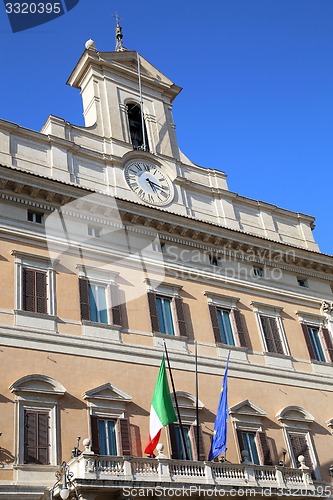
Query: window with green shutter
(34, 290)
(167, 314)
(99, 302)
(36, 437)
(272, 335)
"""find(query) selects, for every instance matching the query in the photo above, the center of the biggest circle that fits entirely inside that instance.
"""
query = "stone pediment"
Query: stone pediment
(37, 384)
(186, 400)
(128, 59)
(107, 392)
(246, 407)
(295, 414)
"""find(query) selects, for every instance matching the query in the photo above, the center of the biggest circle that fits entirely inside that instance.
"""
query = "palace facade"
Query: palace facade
(113, 245)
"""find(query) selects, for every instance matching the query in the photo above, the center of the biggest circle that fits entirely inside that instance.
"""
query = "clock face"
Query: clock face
(149, 183)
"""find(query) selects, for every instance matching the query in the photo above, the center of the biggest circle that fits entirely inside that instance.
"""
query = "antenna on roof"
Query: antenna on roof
(119, 35)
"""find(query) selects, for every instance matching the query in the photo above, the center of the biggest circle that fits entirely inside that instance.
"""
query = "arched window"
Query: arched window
(187, 409)
(297, 423)
(135, 126)
(37, 420)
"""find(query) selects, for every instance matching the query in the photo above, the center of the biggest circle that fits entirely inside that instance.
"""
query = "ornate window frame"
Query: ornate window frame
(108, 279)
(273, 359)
(40, 263)
(296, 420)
(37, 392)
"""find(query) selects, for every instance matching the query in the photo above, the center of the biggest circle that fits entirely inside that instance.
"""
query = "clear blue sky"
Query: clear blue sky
(257, 77)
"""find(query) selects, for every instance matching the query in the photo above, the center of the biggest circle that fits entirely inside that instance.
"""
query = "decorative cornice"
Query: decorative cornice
(185, 230)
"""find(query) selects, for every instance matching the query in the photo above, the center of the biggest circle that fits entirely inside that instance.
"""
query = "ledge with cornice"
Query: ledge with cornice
(49, 194)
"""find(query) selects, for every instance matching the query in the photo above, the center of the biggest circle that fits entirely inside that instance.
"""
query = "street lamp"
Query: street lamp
(64, 478)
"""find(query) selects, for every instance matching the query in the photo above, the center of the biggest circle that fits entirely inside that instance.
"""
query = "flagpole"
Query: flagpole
(176, 402)
(197, 400)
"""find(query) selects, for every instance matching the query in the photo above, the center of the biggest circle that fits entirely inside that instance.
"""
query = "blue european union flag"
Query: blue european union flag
(219, 441)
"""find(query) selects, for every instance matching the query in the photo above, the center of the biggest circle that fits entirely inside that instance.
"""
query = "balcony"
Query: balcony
(116, 474)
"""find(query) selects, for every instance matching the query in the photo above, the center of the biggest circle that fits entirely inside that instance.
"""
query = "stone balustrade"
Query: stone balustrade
(141, 472)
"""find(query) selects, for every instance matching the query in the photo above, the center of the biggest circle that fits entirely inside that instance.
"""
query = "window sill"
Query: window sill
(173, 342)
(35, 321)
(100, 330)
(237, 353)
(277, 360)
(34, 474)
(322, 367)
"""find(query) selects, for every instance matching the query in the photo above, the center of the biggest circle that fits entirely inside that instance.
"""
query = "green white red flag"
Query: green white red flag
(162, 411)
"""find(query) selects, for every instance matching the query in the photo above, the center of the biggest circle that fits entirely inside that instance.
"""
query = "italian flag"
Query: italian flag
(161, 411)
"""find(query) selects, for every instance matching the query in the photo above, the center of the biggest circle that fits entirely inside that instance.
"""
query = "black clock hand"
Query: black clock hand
(156, 185)
(152, 185)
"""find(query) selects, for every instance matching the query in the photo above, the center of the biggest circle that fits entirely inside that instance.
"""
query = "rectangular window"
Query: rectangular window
(258, 272)
(249, 440)
(303, 282)
(36, 217)
(94, 300)
(110, 436)
(34, 291)
(179, 442)
(319, 342)
(94, 231)
(256, 445)
(97, 303)
(299, 446)
(165, 315)
(228, 326)
(225, 327)
(107, 437)
(316, 343)
(36, 437)
(213, 259)
(271, 331)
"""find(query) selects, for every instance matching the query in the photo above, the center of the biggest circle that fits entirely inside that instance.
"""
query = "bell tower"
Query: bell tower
(126, 100)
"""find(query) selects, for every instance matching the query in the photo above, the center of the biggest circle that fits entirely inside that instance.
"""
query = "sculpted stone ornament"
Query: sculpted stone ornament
(327, 307)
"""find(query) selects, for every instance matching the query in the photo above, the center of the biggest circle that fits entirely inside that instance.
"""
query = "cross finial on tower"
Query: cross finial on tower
(119, 35)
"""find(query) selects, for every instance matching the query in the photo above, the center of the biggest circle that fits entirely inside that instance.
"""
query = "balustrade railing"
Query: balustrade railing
(165, 471)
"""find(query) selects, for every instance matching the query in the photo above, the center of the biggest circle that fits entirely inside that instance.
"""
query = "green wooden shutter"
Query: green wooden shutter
(193, 436)
(115, 306)
(265, 323)
(182, 328)
(155, 324)
(29, 290)
(328, 342)
(84, 299)
(299, 447)
(308, 341)
(124, 437)
(94, 434)
(41, 292)
(215, 323)
(271, 334)
(238, 320)
(276, 336)
(36, 437)
(240, 442)
(173, 441)
(264, 449)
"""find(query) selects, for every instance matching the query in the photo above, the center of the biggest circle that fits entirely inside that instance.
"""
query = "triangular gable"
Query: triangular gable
(107, 392)
(246, 407)
(128, 59)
